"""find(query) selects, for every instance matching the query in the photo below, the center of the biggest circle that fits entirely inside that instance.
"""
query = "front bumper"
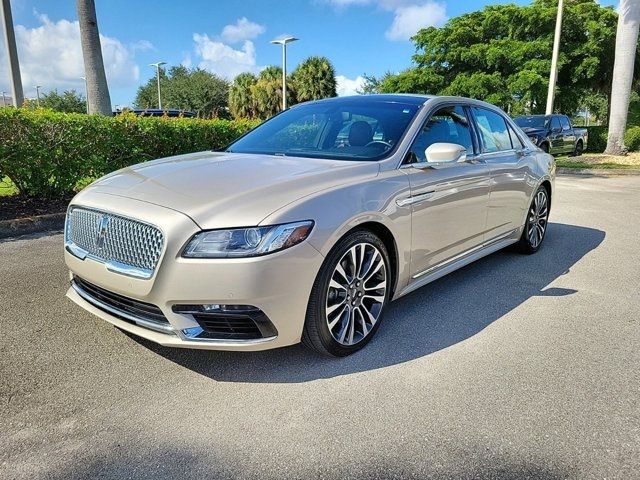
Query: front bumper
(278, 284)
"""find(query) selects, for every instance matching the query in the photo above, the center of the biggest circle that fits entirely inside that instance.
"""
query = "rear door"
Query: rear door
(505, 155)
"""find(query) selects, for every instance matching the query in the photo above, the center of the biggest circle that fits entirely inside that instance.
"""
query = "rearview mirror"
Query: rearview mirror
(445, 153)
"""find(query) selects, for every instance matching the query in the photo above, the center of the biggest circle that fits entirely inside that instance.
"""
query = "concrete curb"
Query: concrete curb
(598, 172)
(37, 224)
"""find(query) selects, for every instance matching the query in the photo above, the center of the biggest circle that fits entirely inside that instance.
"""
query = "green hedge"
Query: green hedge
(597, 139)
(45, 153)
(632, 139)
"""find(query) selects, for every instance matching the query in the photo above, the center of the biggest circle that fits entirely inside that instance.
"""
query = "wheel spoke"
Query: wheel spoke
(356, 293)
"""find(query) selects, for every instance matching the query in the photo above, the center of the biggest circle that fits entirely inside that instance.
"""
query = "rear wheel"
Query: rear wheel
(349, 296)
(535, 227)
(577, 151)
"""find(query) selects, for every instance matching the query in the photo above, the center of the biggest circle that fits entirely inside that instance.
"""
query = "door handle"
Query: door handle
(421, 197)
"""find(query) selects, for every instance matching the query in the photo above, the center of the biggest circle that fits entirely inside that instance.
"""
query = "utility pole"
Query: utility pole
(553, 76)
(86, 93)
(12, 54)
(38, 87)
(4, 99)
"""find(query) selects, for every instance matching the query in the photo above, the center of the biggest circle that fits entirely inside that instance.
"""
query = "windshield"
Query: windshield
(533, 121)
(339, 130)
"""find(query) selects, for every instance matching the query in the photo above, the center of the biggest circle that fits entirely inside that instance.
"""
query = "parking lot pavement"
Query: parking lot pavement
(514, 367)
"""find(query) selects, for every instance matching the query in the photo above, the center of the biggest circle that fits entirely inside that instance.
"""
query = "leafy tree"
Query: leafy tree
(241, 102)
(68, 102)
(195, 90)
(314, 79)
(502, 54)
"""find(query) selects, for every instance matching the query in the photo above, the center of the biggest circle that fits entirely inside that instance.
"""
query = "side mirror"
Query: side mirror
(445, 153)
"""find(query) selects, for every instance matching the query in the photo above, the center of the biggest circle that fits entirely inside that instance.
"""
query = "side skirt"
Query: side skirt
(451, 265)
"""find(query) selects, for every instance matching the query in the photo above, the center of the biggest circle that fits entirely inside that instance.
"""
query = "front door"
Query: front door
(449, 201)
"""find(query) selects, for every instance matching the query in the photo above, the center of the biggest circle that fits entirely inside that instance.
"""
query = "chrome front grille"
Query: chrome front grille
(126, 246)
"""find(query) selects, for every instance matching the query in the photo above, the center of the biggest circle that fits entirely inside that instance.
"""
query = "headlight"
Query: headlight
(246, 242)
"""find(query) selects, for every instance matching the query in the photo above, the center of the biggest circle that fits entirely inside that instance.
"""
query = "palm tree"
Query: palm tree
(314, 79)
(98, 97)
(623, 69)
(241, 102)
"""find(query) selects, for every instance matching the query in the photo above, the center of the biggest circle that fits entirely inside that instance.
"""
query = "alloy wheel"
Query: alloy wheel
(537, 221)
(356, 294)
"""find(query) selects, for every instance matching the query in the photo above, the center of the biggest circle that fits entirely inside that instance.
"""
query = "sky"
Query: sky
(226, 37)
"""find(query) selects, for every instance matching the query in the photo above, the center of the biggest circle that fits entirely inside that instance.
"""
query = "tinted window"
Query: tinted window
(493, 130)
(344, 130)
(565, 123)
(555, 124)
(532, 121)
(447, 125)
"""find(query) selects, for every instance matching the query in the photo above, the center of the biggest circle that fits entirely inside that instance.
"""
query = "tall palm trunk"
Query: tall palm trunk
(98, 98)
(626, 45)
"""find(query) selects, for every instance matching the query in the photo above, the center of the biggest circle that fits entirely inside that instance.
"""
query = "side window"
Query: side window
(515, 139)
(493, 130)
(447, 125)
(555, 124)
(565, 123)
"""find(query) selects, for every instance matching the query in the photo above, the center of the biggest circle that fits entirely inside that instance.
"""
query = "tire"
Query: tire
(544, 147)
(345, 309)
(577, 151)
(535, 227)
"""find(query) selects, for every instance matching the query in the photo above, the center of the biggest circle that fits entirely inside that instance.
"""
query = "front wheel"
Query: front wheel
(349, 296)
(535, 227)
(577, 151)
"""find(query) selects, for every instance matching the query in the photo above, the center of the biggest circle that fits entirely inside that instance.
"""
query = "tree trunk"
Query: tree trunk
(626, 45)
(98, 98)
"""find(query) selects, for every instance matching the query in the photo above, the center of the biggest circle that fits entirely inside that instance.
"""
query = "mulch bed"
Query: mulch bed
(21, 206)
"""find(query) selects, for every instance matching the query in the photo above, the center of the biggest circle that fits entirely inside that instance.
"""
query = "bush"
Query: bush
(597, 138)
(632, 139)
(47, 153)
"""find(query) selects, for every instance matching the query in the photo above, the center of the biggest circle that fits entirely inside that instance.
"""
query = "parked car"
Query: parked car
(554, 134)
(156, 112)
(294, 233)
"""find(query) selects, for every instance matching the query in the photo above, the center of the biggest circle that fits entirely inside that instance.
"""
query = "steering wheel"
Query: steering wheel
(386, 144)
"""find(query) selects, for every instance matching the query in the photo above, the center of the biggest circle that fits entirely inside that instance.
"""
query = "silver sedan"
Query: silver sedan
(308, 226)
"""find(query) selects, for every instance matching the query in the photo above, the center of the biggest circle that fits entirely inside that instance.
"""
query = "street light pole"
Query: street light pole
(284, 41)
(12, 53)
(553, 76)
(158, 65)
(38, 87)
(4, 99)
(86, 92)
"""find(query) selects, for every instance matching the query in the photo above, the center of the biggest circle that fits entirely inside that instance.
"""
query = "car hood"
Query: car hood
(534, 131)
(220, 190)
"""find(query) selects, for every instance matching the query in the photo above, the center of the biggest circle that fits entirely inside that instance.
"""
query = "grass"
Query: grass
(601, 161)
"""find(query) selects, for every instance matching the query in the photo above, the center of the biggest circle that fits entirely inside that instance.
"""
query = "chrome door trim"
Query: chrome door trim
(448, 261)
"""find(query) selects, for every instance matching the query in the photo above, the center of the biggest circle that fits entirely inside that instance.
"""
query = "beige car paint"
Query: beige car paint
(466, 211)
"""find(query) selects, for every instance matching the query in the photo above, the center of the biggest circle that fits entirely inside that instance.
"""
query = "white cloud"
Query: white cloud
(411, 18)
(141, 46)
(51, 55)
(409, 15)
(222, 59)
(243, 29)
(218, 57)
(347, 86)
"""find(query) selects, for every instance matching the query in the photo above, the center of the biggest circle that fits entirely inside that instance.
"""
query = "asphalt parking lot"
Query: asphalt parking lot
(514, 367)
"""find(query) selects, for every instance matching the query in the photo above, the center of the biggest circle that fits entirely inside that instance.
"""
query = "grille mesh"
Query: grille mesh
(126, 241)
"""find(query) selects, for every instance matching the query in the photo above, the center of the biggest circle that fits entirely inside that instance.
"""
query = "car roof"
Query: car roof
(406, 98)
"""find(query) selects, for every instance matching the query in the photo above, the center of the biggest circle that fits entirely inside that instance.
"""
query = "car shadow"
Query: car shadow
(432, 318)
